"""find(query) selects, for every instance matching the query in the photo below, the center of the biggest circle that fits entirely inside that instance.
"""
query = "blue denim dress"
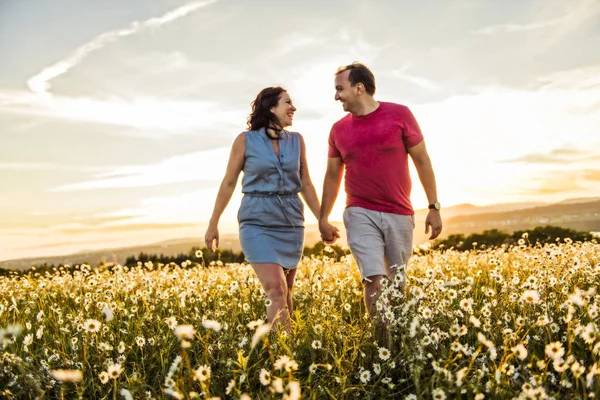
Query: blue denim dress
(271, 215)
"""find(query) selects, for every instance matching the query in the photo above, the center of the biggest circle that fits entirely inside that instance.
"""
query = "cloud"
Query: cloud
(358, 46)
(192, 206)
(578, 13)
(556, 156)
(298, 41)
(512, 28)
(48, 166)
(591, 175)
(40, 83)
(14, 97)
(582, 78)
(566, 182)
(556, 185)
(207, 166)
(125, 228)
(153, 116)
(419, 81)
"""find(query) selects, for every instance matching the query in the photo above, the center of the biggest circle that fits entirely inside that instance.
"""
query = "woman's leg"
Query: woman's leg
(273, 281)
(290, 274)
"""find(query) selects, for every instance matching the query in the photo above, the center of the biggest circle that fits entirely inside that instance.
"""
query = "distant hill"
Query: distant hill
(579, 200)
(579, 214)
(96, 257)
(470, 209)
(119, 255)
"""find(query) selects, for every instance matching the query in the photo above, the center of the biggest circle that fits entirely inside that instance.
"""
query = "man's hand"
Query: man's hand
(329, 233)
(433, 220)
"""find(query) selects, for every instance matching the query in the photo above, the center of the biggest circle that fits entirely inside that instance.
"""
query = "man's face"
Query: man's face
(345, 92)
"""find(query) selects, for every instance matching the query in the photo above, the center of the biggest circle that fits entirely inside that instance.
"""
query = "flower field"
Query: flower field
(483, 324)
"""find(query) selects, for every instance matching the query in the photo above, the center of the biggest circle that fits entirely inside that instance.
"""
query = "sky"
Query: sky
(117, 118)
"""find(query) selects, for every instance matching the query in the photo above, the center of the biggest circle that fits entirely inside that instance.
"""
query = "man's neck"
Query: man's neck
(367, 107)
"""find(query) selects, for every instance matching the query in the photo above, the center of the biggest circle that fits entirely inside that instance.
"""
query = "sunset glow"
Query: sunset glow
(116, 128)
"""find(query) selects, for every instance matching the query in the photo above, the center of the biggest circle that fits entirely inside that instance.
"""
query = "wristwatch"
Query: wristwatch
(435, 206)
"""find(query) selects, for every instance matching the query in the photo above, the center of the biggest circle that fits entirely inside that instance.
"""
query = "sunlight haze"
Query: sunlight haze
(116, 118)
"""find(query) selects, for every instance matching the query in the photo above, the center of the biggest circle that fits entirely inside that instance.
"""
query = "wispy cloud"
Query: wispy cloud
(360, 47)
(575, 182)
(592, 175)
(40, 83)
(583, 78)
(512, 28)
(187, 207)
(14, 97)
(556, 186)
(177, 169)
(420, 81)
(49, 166)
(298, 40)
(153, 116)
(562, 20)
(125, 228)
(556, 156)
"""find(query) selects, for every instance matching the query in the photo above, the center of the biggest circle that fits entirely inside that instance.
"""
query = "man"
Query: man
(373, 142)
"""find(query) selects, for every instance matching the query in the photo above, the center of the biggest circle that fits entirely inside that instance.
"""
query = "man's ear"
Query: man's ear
(360, 88)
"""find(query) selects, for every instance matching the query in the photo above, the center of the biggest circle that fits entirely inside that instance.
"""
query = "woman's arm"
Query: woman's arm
(232, 173)
(308, 190)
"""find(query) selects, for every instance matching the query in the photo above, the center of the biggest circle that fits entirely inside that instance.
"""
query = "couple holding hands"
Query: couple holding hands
(373, 142)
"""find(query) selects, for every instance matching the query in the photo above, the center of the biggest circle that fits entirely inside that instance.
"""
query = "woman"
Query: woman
(271, 216)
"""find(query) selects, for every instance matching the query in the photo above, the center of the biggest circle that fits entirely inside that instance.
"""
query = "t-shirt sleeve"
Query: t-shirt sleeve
(333, 151)
(411, 134)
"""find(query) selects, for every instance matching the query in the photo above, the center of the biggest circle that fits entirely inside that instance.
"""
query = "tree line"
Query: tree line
(203, 255)
(461, 242)
(497, 238)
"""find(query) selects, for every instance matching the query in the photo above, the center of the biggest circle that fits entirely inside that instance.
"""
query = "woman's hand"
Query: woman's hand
(329, 233)
(211, 237)
(234, 167)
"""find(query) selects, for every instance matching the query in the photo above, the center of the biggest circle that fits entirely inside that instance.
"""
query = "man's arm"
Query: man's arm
(331, 188)
(422, 162)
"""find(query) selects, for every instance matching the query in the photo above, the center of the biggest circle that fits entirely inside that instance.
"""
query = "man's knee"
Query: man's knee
(373, 283)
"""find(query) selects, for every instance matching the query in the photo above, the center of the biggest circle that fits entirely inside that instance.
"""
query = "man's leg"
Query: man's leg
(398, 232)
(372, 287)
(365, 240)
(398, 236)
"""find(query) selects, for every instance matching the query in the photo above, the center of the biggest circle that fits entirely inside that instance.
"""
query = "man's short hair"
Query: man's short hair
(359, 73)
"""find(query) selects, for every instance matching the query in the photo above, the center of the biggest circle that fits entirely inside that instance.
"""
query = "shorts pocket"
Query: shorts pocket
(347, 217)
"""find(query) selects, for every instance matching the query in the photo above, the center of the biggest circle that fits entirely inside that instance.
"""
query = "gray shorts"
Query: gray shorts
(379, 240)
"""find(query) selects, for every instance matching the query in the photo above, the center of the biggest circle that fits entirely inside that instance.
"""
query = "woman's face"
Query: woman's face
(284, 110)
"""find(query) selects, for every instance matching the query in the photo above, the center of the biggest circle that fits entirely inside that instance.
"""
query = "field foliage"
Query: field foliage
(517, 322)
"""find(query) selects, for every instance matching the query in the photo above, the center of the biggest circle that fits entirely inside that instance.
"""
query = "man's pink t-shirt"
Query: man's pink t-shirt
(374, 149)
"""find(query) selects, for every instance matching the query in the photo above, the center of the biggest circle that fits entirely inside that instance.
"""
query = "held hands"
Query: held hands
(211, 238)
(433, 220)
(329, 233)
